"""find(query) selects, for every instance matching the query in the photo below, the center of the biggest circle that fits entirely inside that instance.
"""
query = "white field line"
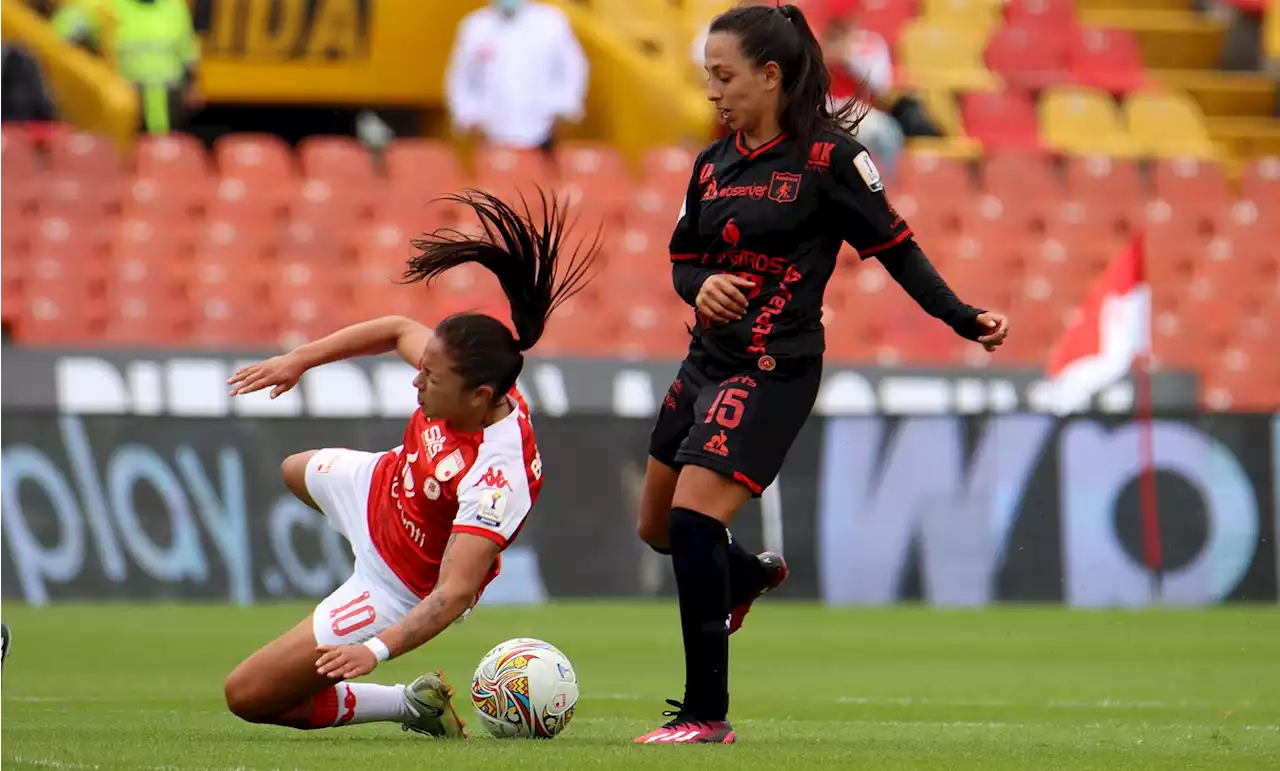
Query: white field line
(60, 765)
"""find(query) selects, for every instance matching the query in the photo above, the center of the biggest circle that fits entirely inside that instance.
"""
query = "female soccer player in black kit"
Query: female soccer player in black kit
(764, 217)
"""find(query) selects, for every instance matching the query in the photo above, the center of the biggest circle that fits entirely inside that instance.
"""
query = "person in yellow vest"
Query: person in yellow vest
(154, 47)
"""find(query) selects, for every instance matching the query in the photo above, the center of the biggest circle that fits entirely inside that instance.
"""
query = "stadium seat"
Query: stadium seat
(18, 154)
(1106, 58)
(179, 157)
(423, 169)
(930, 177)
(1042, 14)
(886, 17)
(163, 197)
(939, 56)
(326, 200)
(668, 168)
(1260, 183)
(65, 317)
(85, 155)
(1168, 125)
(1021, 177)
(256, 158)
(980, 15)
(1029, 57)
(508, 168)
(1083, 120)
(595, 173)
(248, 201)
(654, 210)
(340, 161)
(1103, 181)
(1002, 120)
(653, 328)
(76, 195)
(1194, 190)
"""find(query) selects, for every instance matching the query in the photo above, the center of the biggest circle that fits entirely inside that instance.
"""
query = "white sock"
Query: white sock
(372, 703)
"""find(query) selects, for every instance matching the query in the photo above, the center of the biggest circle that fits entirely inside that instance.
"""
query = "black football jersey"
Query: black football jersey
(778, 215)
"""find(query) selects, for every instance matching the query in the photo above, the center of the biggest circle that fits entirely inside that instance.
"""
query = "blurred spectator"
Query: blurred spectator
(154, 47)
(861, 67)
(516, 74)
(23, 96)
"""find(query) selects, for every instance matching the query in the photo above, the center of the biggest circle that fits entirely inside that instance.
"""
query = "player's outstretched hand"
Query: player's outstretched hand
(341, 662)
(721, 298)
(997, 325)
(279, 371)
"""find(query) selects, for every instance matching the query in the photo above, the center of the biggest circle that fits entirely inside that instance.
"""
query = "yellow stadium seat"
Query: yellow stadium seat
(941, 56)
(941, 106)
(1167, 125)
(975, 14)
(1271, 33)
(1084, 121)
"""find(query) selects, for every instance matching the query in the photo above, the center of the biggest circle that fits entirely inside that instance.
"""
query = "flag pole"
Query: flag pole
(1152, 552)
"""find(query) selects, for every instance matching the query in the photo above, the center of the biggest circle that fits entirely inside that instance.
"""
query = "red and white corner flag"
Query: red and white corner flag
(1111, 331)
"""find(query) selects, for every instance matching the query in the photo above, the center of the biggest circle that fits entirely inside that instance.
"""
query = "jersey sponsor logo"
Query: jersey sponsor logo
(755, 192)
(431, 489)
(776, 303)
(451, 466)
(494, 478)
(784, 187)
(433, 441)
(868, 171)
(706, 173)
(711, 192)
(493, 506)
(740, 259)
(820, 154)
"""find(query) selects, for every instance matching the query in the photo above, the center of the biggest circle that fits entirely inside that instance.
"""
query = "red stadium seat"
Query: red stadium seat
(1114, 185)
(255, 157)
(178, 157)
(594, 174)
(18, 153)
(1191, 184)
(84, 154)
(340, 161)
(1261, 183)
(579, 327)
(652, 328)
(166, 197)
(506, 168)
(423, 169)
(886, 17)
(136, 316)
(77, 195)
(1108, 59)
(1021, 176)
(1003, 120)
(324, 201)
(82, 238)
(931, 177)
(1047, 14)
(317, 242)
(65, 316)
(668, 168)
(1030, 57)
(243, 200)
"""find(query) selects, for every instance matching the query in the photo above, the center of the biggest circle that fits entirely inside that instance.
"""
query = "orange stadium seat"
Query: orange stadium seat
(179, 157)
(652, 327)
(1003, 120)
(931, 177)
(242, 200)
(326, 201)
(84, 154)
(319, 242)
(1030, 57)
(162, 197)
(259, 159)
(1261, 183)
(668, 169)
(65, 316)
(423, 169)
(72, 194)
(341, 161)
(502, 167)
(1108, 59)
(654, 210)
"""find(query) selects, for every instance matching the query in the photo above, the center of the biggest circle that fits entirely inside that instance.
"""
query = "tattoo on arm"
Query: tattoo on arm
(427, 619)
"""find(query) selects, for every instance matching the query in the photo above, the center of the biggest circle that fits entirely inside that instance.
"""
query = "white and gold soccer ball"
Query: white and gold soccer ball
(525, 689)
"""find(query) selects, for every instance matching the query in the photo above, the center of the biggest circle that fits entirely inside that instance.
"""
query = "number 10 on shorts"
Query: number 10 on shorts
(353, 616)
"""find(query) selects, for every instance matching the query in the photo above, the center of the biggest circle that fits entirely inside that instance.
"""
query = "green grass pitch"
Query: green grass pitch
(1016, 688)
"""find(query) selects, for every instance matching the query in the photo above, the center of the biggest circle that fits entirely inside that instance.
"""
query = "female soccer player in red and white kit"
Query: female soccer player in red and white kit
(427, 521)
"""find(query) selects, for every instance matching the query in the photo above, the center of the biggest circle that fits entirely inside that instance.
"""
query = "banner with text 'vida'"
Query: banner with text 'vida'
(951, 510)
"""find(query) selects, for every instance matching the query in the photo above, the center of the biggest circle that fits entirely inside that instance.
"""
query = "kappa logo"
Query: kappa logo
(494, 478)
(784, 187)
(820, 154)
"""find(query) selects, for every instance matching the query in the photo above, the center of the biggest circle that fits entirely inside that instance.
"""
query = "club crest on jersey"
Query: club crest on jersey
(784, 187)
(450, 467)
(868, 171)
(431, 489)
(493, 504)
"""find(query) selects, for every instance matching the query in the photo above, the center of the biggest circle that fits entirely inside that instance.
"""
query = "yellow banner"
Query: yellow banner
(352, 52)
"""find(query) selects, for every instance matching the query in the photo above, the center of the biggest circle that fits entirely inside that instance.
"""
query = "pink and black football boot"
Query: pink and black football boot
(683, 729)
(776, 571)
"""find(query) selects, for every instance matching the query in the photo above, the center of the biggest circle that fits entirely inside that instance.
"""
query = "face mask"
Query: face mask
(509, 7)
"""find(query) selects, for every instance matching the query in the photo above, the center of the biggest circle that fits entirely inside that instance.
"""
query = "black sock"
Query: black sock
(747, 576)
(665, 551)
(700, 556)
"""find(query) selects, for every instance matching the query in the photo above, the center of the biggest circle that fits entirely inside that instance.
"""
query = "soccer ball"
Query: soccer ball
(524, 688)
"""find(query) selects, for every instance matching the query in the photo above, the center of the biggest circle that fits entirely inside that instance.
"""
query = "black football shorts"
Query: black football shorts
(738, 423)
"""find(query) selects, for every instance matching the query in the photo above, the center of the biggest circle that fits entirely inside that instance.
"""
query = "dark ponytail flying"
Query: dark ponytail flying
(527, 261)
(783, 35)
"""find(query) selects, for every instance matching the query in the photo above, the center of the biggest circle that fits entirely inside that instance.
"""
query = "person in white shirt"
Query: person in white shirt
(863, 67)
(516, 74)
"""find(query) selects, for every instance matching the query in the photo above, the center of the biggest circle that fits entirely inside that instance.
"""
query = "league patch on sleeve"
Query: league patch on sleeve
(493, 507)
(868, 171)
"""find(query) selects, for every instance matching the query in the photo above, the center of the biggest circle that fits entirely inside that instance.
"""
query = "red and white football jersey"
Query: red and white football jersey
(442, 481)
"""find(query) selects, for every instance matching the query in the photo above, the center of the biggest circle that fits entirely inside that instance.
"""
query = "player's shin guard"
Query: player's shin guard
(747, 577)
(700, 556)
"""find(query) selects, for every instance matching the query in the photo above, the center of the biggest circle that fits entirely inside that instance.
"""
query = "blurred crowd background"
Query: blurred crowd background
(249, 173)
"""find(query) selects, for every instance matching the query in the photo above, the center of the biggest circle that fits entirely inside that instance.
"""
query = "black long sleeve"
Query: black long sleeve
(912, 270)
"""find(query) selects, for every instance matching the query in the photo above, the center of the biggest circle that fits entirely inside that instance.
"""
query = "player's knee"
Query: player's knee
(652, 532)
(243, 698)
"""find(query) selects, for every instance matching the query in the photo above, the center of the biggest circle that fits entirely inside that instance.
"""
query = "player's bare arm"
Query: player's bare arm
(466, 563)
(368, 338)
